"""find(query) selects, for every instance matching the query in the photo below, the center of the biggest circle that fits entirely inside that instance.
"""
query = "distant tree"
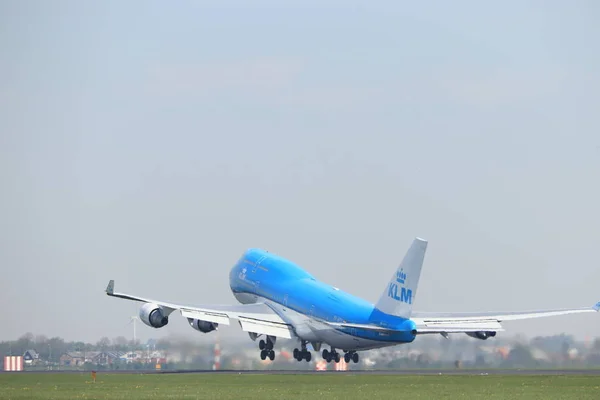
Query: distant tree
(78, 346)
(163, 344)
(479, 360)
(42, 347)
(40, 340)
(24, 343)
(57, 347)
(103, 344)
(520, 356)
(120, 343)
(565, 350)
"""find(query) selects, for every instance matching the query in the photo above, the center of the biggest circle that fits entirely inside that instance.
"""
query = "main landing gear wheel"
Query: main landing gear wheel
(351, 356)
(267, 353)
(302, 354)
(266, 348)
(331, 355)
(268, 345)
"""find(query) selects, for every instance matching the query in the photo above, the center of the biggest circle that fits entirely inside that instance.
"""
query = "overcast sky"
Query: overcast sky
(152, 142)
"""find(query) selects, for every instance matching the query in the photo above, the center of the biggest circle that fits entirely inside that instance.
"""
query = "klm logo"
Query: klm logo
(400, 276)
(405, 295)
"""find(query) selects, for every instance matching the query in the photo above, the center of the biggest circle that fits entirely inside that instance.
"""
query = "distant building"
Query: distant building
(77, 358)
(107, 357)
(31, 357)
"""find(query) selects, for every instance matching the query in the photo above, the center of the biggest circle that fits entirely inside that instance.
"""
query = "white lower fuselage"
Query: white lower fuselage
(313, 331)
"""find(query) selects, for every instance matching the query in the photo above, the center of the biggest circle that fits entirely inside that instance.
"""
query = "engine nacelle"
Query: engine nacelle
(203, 326)
(153, 315)
(483, 335)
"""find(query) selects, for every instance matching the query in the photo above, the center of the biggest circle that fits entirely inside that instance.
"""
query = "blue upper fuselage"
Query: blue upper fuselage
(281, 281)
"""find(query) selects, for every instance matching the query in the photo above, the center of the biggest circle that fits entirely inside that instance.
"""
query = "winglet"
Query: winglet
(597, 306)
(110, 289)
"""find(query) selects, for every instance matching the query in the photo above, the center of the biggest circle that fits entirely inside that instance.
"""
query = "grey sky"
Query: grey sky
(152, 142)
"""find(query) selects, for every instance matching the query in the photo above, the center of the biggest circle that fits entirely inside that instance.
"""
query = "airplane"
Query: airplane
(279, 299)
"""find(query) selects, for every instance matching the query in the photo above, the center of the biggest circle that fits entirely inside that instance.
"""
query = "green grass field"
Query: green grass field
(343, 386)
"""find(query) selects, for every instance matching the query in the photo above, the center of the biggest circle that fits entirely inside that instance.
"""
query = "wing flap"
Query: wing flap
(218, 318)
(266, 327)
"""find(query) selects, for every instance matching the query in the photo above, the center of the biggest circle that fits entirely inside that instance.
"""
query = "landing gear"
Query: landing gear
(351, 355)
(331, 355)
(302, 354)
(267, 353)
(266, 348)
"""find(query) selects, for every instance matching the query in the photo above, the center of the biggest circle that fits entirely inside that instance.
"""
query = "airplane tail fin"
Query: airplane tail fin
(400, 292)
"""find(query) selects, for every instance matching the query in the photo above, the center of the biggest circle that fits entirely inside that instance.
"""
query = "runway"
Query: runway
(415, 372)
(409, 372)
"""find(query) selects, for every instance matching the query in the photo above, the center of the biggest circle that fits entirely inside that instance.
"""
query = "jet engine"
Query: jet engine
(202, 326)
(153, 315)
(483, 335)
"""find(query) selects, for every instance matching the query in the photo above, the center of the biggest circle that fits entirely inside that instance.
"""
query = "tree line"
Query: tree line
(51, 349)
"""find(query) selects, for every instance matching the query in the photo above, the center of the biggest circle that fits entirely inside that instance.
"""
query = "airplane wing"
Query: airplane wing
(256, 318)
(483, 321)
(466, 322)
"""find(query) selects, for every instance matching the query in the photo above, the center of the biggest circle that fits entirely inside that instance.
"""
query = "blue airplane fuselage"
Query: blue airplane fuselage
(300, 298)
